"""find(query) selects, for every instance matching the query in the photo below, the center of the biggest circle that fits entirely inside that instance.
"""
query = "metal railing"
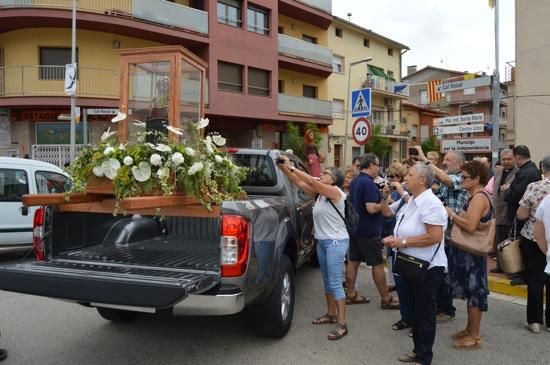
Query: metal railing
(156, 11)
(305, 106)
(57, 154)
(381, 83)
(325, 5)
(49, 80)
(305, 50)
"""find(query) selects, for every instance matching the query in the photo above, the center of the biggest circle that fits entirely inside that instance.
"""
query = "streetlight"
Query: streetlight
(348, 97)
(72, 148)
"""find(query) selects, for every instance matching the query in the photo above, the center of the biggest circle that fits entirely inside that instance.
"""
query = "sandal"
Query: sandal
(408, 357)
(467, 343)
(389, 304)
(460, 334)
(340, 331)
(326, 319)
(357, 299)
(400, 325)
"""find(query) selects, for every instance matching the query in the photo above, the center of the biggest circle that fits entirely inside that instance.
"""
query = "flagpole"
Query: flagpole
(495, 137)
(72, 148)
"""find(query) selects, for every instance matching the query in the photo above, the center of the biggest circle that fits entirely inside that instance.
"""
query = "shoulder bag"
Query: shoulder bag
(509, 253)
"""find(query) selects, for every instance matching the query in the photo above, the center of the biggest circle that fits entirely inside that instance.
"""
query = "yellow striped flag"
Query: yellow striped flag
(469, 76)
(433, 95)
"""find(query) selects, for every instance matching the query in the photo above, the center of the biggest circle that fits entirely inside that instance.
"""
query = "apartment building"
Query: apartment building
(351, 44)
(268, 64)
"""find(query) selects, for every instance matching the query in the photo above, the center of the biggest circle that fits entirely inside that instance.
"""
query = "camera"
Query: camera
(280, 161)
(413, 151)
(381, 185)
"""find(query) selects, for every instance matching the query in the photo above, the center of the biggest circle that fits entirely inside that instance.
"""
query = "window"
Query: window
(309, 91)
(390, 51)
(366, 42)
(51, 182)
(424, 97)
(338, 155)
(230, 76)
(338, 109)
(338, 32)
(390, 74)
(59, 132)
(229, 12)
(261, 170)
(53, 61)
(257, 20)
(258, 82)
(338, 64)
(309, 39)
(281, 86)
(13, 185)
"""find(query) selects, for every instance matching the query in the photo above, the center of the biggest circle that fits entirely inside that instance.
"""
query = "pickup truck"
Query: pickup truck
(123, 265)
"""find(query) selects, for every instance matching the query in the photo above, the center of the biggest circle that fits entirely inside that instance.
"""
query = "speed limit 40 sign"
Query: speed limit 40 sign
(362, 130)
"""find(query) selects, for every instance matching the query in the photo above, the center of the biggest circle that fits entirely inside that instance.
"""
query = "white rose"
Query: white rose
(218, 158)
(218, 140)
(98, 171)
(128, 161)
(197, 166)
(189, 151)
(156, 159)
(108, 151)
(177, 159)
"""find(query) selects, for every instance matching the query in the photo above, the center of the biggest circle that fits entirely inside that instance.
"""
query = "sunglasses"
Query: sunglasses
(394, 176)
(465, 177)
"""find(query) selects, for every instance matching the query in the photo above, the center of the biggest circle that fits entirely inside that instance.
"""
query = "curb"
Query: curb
(503, 286)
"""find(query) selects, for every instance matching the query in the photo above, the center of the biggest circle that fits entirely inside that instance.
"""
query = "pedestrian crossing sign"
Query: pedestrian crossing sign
(361, 102)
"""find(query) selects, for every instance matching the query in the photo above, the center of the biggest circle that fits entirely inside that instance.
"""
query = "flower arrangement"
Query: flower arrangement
(204, 170)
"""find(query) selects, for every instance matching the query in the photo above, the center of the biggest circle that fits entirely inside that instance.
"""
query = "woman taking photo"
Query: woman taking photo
(468, 272)
(331, 236)
(419, 233)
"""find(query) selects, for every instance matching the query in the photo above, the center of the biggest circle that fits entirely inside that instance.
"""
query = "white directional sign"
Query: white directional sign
(463, 84)
(102, 111)
(467, 145)
(468, 128)
(459, 119)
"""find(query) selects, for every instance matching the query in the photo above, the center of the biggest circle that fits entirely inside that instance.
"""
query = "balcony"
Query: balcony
(296, 54)
(385, 86)
(155, 11)
(315, 12)
(301, 106)
(480, 94)
(325, 5)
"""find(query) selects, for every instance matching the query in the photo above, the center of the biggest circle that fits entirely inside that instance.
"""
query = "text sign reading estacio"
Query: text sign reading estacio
(467, 145)
(459, 119)
(469, 128)
(463, 84)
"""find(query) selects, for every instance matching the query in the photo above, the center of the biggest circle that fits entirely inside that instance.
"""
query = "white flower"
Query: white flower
(218, 158)
(163, 172)
(150, 145)
(142, 172)
(110, 168)
(189, 151)
(163, 148)
(98, 171)
(108, 151)
(140, 124)
(208, 143)
(175, 130)
(107, 134)
(128, 161)
(197, 166)
(122, 147)
(120, 116)
(177, 159)
(156, 159)
(218, 140)
(202, 123)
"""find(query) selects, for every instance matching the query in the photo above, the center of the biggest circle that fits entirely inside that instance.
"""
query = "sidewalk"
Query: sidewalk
(499, 283)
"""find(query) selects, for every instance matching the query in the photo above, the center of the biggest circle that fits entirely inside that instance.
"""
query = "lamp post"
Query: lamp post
(495, 136)
(72, 148)
(348, 97)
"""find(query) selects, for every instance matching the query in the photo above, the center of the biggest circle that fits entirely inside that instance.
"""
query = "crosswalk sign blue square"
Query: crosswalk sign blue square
(361, 102)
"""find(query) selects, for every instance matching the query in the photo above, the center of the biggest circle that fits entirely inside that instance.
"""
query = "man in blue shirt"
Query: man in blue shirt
(366, 244)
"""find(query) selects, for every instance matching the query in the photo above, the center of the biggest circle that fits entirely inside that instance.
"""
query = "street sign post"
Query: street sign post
(470, 128)
(361, 103)
(467, 145)
(446, 86)
(362, 131)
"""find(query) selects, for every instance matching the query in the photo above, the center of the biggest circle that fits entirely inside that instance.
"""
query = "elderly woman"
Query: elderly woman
(419, 233)
(468, 272)
(433, 157)
(533, 257)
(331, 236)
(349, 174)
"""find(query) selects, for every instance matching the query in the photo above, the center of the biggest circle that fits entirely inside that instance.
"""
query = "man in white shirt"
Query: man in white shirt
(542, 237)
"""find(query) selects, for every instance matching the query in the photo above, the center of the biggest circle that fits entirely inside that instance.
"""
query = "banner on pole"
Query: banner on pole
(70, 79)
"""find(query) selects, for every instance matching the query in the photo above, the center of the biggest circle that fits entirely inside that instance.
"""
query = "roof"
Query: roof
(365, 30)
(436, 69)
(406, 103)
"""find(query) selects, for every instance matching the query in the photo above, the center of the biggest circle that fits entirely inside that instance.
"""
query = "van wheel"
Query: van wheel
(274, 317)
(117, 315)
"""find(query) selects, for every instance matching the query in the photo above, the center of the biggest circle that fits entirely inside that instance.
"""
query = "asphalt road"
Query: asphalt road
(44, 331)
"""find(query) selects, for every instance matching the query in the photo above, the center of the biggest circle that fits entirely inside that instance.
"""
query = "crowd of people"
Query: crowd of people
(413, 214)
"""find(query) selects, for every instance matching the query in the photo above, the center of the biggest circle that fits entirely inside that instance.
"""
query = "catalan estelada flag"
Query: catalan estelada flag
(433, 95)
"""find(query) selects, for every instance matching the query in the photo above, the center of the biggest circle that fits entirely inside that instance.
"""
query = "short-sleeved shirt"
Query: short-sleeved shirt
(455, 197)
(543, 214)
(363, 190)
(531, 199)
(327, 222)
(411, 222)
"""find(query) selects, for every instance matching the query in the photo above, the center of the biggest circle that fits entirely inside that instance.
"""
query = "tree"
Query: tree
(377, 144)
(430, 144)
(295, 138)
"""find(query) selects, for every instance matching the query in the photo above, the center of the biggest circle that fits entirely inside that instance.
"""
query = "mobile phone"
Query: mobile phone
(280, 160)
(413, 151)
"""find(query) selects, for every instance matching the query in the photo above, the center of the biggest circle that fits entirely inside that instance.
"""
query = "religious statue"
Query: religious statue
(313, 157)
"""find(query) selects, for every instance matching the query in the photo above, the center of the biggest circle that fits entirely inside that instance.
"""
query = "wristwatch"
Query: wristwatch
(404, 242)
(292, 168)
(427, 163)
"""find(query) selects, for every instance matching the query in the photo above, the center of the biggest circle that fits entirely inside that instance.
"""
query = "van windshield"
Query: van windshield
(262, 169)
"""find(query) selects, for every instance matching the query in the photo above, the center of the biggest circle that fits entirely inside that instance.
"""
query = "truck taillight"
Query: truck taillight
(234, 245)
(38, 233)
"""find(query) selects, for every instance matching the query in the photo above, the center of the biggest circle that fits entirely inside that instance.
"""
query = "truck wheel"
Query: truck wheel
(117, 315)
(274, 317)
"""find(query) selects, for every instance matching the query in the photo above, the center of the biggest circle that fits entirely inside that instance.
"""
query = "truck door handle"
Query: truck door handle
(24, 210)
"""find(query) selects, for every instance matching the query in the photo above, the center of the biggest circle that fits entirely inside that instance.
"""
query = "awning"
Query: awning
(377, 71)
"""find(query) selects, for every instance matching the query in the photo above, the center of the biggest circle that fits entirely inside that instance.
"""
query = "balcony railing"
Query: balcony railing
(57, 154)
(49, 81)
(325, 5)
(305, 106)
(156, 11)
(301, 49)
(383, 84)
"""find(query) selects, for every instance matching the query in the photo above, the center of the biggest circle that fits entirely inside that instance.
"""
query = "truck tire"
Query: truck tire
(117, 315)
(274, 317)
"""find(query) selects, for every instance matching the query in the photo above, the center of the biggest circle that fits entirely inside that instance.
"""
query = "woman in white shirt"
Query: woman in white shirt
(419, 233)
(331, 236)
(542, 237)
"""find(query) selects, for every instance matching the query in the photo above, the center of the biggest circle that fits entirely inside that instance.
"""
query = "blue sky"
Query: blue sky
(457, 35)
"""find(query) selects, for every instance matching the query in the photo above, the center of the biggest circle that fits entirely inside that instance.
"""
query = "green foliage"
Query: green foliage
(430, 144)
(377, 144)
(295, 138)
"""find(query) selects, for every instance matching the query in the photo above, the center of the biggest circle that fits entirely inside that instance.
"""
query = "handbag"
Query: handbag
(478, 243)
(509, 253)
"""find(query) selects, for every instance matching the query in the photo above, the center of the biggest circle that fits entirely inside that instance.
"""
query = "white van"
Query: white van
(20, 176)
